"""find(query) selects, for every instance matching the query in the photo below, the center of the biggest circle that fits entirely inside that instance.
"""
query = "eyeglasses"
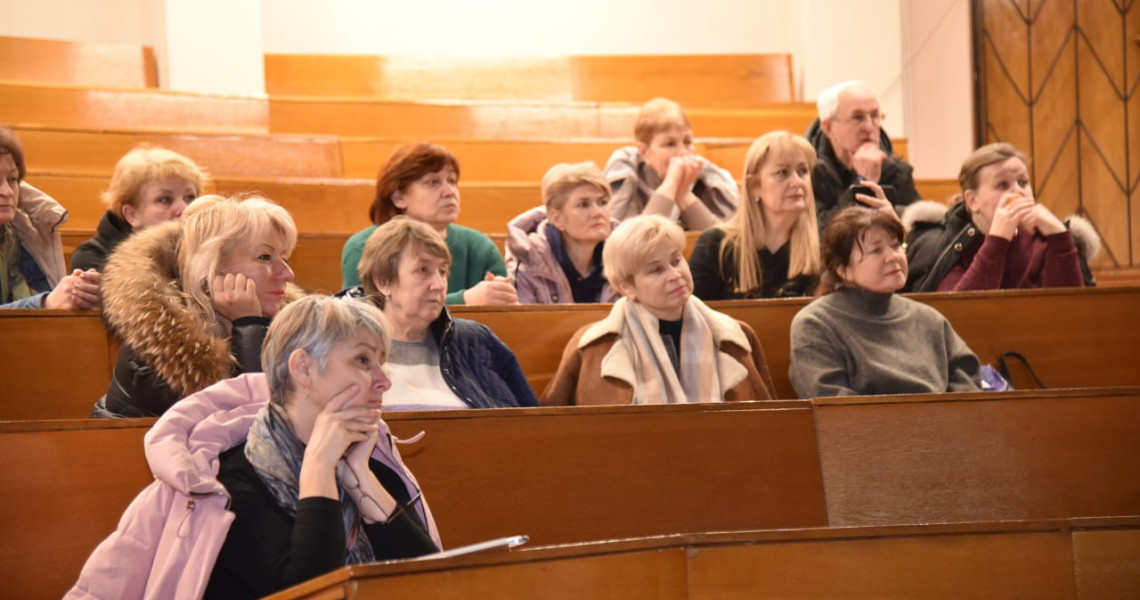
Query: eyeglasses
(858, 119)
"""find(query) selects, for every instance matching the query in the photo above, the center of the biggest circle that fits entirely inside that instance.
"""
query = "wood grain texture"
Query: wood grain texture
(692, 80)
(667, 471)
(65, 485)
(36, 346)
(1107, 564)
(1024, 559)
(1027, 566)
(109, 108)
(1058, 80)
(80, 63)
(96, 152)
(932, 461)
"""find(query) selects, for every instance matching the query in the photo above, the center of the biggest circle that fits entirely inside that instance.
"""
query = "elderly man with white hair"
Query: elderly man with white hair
(856, 164)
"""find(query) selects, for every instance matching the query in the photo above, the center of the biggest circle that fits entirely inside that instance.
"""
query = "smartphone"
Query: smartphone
(857, 188)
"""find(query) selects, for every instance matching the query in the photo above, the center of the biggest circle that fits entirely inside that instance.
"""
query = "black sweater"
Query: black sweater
(266, 550)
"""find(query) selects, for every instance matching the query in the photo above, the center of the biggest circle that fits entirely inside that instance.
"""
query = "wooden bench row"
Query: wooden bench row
(1086, 559)
(708, 80)
(576, 474)
(95, 152)
(1098, 345)
(79, 63)
(698, 80)
(161, 110)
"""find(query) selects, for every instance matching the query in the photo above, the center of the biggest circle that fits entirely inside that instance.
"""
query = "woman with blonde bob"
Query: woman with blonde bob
(554, 251)
(996, 235)
(149, 186)
(659, 344)
(770, 246)
(191, 300)
(267, 480)
(860, 337)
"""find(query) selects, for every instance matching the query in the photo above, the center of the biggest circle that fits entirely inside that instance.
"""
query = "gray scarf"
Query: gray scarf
(276, 454)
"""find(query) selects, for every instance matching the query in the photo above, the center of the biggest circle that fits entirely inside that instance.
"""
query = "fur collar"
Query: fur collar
(929, 212)
(143, 303)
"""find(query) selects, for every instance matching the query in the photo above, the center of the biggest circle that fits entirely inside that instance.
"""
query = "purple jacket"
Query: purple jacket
(178, 523)
(538, 276)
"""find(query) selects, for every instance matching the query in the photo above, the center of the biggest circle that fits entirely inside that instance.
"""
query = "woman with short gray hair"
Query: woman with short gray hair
(437, 362)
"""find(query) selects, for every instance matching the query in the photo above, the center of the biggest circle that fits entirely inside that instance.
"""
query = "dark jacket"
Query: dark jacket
(137, 390)
(715, 281)
(831, 181)
(478, 367)
(937, 238)
(169, 350)
(93, 253)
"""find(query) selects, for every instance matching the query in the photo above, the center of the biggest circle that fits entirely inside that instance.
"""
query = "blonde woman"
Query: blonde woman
(150, 186)
(191, 301)
(770, 246)
(659, 344)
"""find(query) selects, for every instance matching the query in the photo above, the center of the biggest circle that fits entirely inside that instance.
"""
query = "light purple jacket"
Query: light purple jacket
(538, 276)
(178, 523)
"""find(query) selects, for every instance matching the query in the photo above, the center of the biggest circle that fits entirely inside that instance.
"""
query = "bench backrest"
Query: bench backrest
(80, 63)
(692, 80)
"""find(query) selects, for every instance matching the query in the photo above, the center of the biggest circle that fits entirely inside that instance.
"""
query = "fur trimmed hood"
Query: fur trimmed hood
(143, 303)
(929, 212)
(145, 306)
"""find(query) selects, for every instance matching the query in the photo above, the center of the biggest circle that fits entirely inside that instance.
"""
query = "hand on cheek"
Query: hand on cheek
(235, 296)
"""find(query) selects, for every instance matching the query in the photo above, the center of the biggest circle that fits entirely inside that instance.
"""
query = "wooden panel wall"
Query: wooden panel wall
(1059, 79)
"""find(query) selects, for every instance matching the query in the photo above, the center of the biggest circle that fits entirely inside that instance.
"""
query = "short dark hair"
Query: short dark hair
(844, 233)
(10, 144)
(407, 165)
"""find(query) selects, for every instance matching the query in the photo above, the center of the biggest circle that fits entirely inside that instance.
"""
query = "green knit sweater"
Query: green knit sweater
(854, 342)
(472, 255)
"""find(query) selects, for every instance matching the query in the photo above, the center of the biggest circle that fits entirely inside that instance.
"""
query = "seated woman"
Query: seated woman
(662, 176)
(773, 230)
(860, 337)
(421, 181)
(996, 236)
(299, 458)
(32, 272)
(554, 252)
(150, 186)
(437, 362)
(659, 344)
(191, 301)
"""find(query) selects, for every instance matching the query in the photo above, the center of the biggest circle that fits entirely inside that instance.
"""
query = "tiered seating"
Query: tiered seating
(1024, 489)
(566, 475)
(1085, 353)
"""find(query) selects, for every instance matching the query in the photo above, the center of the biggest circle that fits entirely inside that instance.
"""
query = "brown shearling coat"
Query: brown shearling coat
(578, 380)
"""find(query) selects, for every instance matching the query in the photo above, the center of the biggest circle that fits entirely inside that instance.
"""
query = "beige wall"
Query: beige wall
(914, 52)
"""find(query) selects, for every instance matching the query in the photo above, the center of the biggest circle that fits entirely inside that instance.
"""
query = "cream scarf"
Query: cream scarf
(656, 382)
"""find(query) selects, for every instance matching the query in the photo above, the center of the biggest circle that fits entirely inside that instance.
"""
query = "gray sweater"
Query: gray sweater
(855, 342)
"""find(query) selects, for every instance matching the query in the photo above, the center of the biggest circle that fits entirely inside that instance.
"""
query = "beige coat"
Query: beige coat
(597, 370)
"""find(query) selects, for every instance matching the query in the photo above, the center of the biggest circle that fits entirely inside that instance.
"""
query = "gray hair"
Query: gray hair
(315, 324)
(828, 102)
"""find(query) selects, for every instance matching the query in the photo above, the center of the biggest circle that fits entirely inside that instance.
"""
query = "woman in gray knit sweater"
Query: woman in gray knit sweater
(861, 338)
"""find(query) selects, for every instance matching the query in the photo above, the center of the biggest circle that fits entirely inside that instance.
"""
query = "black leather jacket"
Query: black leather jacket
(136, 390)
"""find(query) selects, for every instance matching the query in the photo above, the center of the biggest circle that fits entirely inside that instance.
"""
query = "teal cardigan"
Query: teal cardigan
(472, 255)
